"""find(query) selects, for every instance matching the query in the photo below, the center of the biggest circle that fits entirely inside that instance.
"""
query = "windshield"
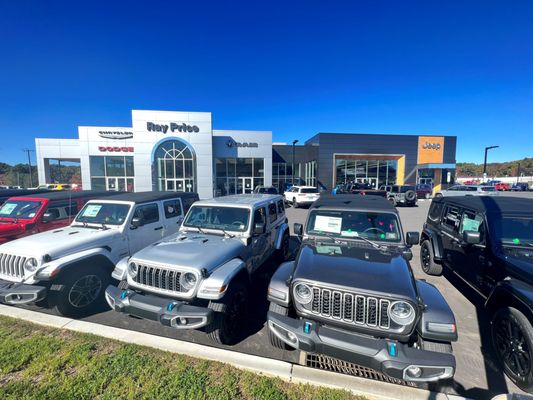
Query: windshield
(20, 209)
(512, 229)
(214, 217)
(103, 213)
(349, 224)
(308, 190)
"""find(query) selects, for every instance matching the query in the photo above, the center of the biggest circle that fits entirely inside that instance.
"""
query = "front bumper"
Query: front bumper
(16, 293)
(176, 314)
(392, 358)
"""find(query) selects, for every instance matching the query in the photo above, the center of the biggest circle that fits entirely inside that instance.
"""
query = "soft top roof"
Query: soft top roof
(354, 201)
(69, 194)
(145, 197)
(7, 193)
(492, 204)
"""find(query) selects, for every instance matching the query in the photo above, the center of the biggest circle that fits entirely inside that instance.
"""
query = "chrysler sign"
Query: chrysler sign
(115, 134)
(182, 127)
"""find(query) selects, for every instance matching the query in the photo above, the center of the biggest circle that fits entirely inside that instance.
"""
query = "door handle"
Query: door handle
(158, 228)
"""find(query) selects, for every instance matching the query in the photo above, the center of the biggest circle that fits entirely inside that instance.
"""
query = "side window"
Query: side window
(454, 188)
(172, 208)
(272, 212)
(62, 210)
(435, 211)
(148, 213)
(451, 217)
(471, 189)
(281, 207)
(472, 222)
(260, 216)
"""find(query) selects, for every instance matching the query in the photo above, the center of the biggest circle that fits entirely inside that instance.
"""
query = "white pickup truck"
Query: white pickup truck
(70, 267)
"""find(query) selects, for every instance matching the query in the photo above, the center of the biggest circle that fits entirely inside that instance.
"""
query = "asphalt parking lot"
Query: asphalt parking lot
(477, 376)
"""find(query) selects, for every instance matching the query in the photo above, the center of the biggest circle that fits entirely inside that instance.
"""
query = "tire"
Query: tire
(426, 259)
(512, 338)
(295, 203)
(282, 254)
(438, 195)
(273, 339)
(410, 196)
(392, 200)
(229, 315)
(83, 291)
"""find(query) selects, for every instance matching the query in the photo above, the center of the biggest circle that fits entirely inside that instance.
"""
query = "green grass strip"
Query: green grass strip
(38, 362)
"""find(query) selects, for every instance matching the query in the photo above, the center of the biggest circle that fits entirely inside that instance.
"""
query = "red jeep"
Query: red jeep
(25, 215)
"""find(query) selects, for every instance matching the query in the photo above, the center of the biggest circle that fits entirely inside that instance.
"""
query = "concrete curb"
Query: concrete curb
(288, 372)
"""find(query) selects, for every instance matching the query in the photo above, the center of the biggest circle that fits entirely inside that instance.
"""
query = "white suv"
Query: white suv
(301, 195)
(71, 266)
(468, 190)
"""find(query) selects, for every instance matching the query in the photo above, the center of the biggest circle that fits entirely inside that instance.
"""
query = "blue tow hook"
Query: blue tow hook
(307, 327)
(124, 294)
(171, 306)
(393, 352)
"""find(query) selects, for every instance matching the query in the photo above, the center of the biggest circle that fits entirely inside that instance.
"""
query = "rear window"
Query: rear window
(309, 190)
(172, 208)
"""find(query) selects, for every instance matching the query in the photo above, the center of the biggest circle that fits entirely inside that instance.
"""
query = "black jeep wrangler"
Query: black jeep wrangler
(351, 294)
(488, 242)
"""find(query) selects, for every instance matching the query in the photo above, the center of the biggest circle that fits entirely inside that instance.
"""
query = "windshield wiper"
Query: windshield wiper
(227, 233)
(374, 244)
(200, 230)
(333, 238)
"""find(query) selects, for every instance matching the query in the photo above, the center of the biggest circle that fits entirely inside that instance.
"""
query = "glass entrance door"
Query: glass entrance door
(244, 185)
(174, 185)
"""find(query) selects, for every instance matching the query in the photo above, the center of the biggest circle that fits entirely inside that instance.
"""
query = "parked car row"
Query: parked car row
(350, 292)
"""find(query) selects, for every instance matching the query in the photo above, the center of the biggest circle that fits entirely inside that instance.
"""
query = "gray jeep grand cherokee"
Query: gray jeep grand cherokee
(199, 278)
(351, 294)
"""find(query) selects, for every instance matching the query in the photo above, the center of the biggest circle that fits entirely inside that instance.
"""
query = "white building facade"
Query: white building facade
(164, 151)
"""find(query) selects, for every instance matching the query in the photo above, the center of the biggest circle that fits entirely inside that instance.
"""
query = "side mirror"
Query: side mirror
(259, 228)
(298, 229)
(136, 222)
(471, 237)
(412, 238)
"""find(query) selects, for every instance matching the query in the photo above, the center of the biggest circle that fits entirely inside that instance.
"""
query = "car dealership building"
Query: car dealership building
(180, 151)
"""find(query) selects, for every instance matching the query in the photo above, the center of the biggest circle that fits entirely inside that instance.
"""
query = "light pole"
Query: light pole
(29, 165)
(293, 153)
(485, 162)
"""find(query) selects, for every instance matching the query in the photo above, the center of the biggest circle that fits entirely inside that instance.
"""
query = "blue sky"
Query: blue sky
(296, 68)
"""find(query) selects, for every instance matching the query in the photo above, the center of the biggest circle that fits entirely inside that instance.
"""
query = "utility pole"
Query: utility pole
(28, 151)
(485, 162)
(293, 154)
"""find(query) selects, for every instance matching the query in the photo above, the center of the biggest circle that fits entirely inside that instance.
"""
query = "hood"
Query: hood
(8, 229)
(352, 266)
(60, 242)
(193, 250)
(519, 262)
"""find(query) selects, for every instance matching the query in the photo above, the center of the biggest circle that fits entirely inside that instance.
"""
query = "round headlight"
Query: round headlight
(30, 264)
(303, 293)
(188, 280)
(133, 269)
(402, 313)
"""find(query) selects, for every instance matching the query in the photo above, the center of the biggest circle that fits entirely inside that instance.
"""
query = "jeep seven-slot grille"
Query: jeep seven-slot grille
(350, 307)
(159, 278)
(12, 265)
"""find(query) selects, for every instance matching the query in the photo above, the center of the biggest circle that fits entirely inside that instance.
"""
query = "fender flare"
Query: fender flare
(284, 227)
(55, 267)
(436, 244)
(216, 285)
(511, 293)
(437, 321)
(278, 288)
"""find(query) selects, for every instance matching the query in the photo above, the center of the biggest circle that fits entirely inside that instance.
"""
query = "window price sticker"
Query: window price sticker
(91, 210)
(327, 224)
(7, 208)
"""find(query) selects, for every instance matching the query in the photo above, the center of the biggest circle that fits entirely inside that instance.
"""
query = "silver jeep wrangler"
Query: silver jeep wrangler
(199, 277)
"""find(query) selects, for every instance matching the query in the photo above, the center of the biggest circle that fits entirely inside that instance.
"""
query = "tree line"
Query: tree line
(18, 175)
(509, 168)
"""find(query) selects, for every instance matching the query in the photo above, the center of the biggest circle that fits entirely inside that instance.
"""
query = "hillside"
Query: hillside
(17, 175)
(509, 168)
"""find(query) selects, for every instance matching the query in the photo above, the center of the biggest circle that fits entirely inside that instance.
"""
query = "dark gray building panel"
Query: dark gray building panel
(450, 144)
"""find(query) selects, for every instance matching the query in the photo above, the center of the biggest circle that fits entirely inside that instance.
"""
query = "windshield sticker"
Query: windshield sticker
(391, 235)
(516, 241)
(92, 210)
(31, 215)
(328, 224)
(350, 233)
(7, 208)
(328, 250)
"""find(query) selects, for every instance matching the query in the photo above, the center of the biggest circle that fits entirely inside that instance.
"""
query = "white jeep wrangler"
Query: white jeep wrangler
(200, 277)
(71, 266)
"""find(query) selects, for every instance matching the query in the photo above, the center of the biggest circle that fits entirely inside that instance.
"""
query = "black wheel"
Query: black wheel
(273, 339)
(229, 315)
(512, 337)
(392, 200)
(295, 203)
(82, 291)
(426, 259)
(283, 253)
(438, 195)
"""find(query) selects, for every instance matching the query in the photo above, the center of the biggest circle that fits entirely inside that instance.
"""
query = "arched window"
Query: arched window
(175, 167)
